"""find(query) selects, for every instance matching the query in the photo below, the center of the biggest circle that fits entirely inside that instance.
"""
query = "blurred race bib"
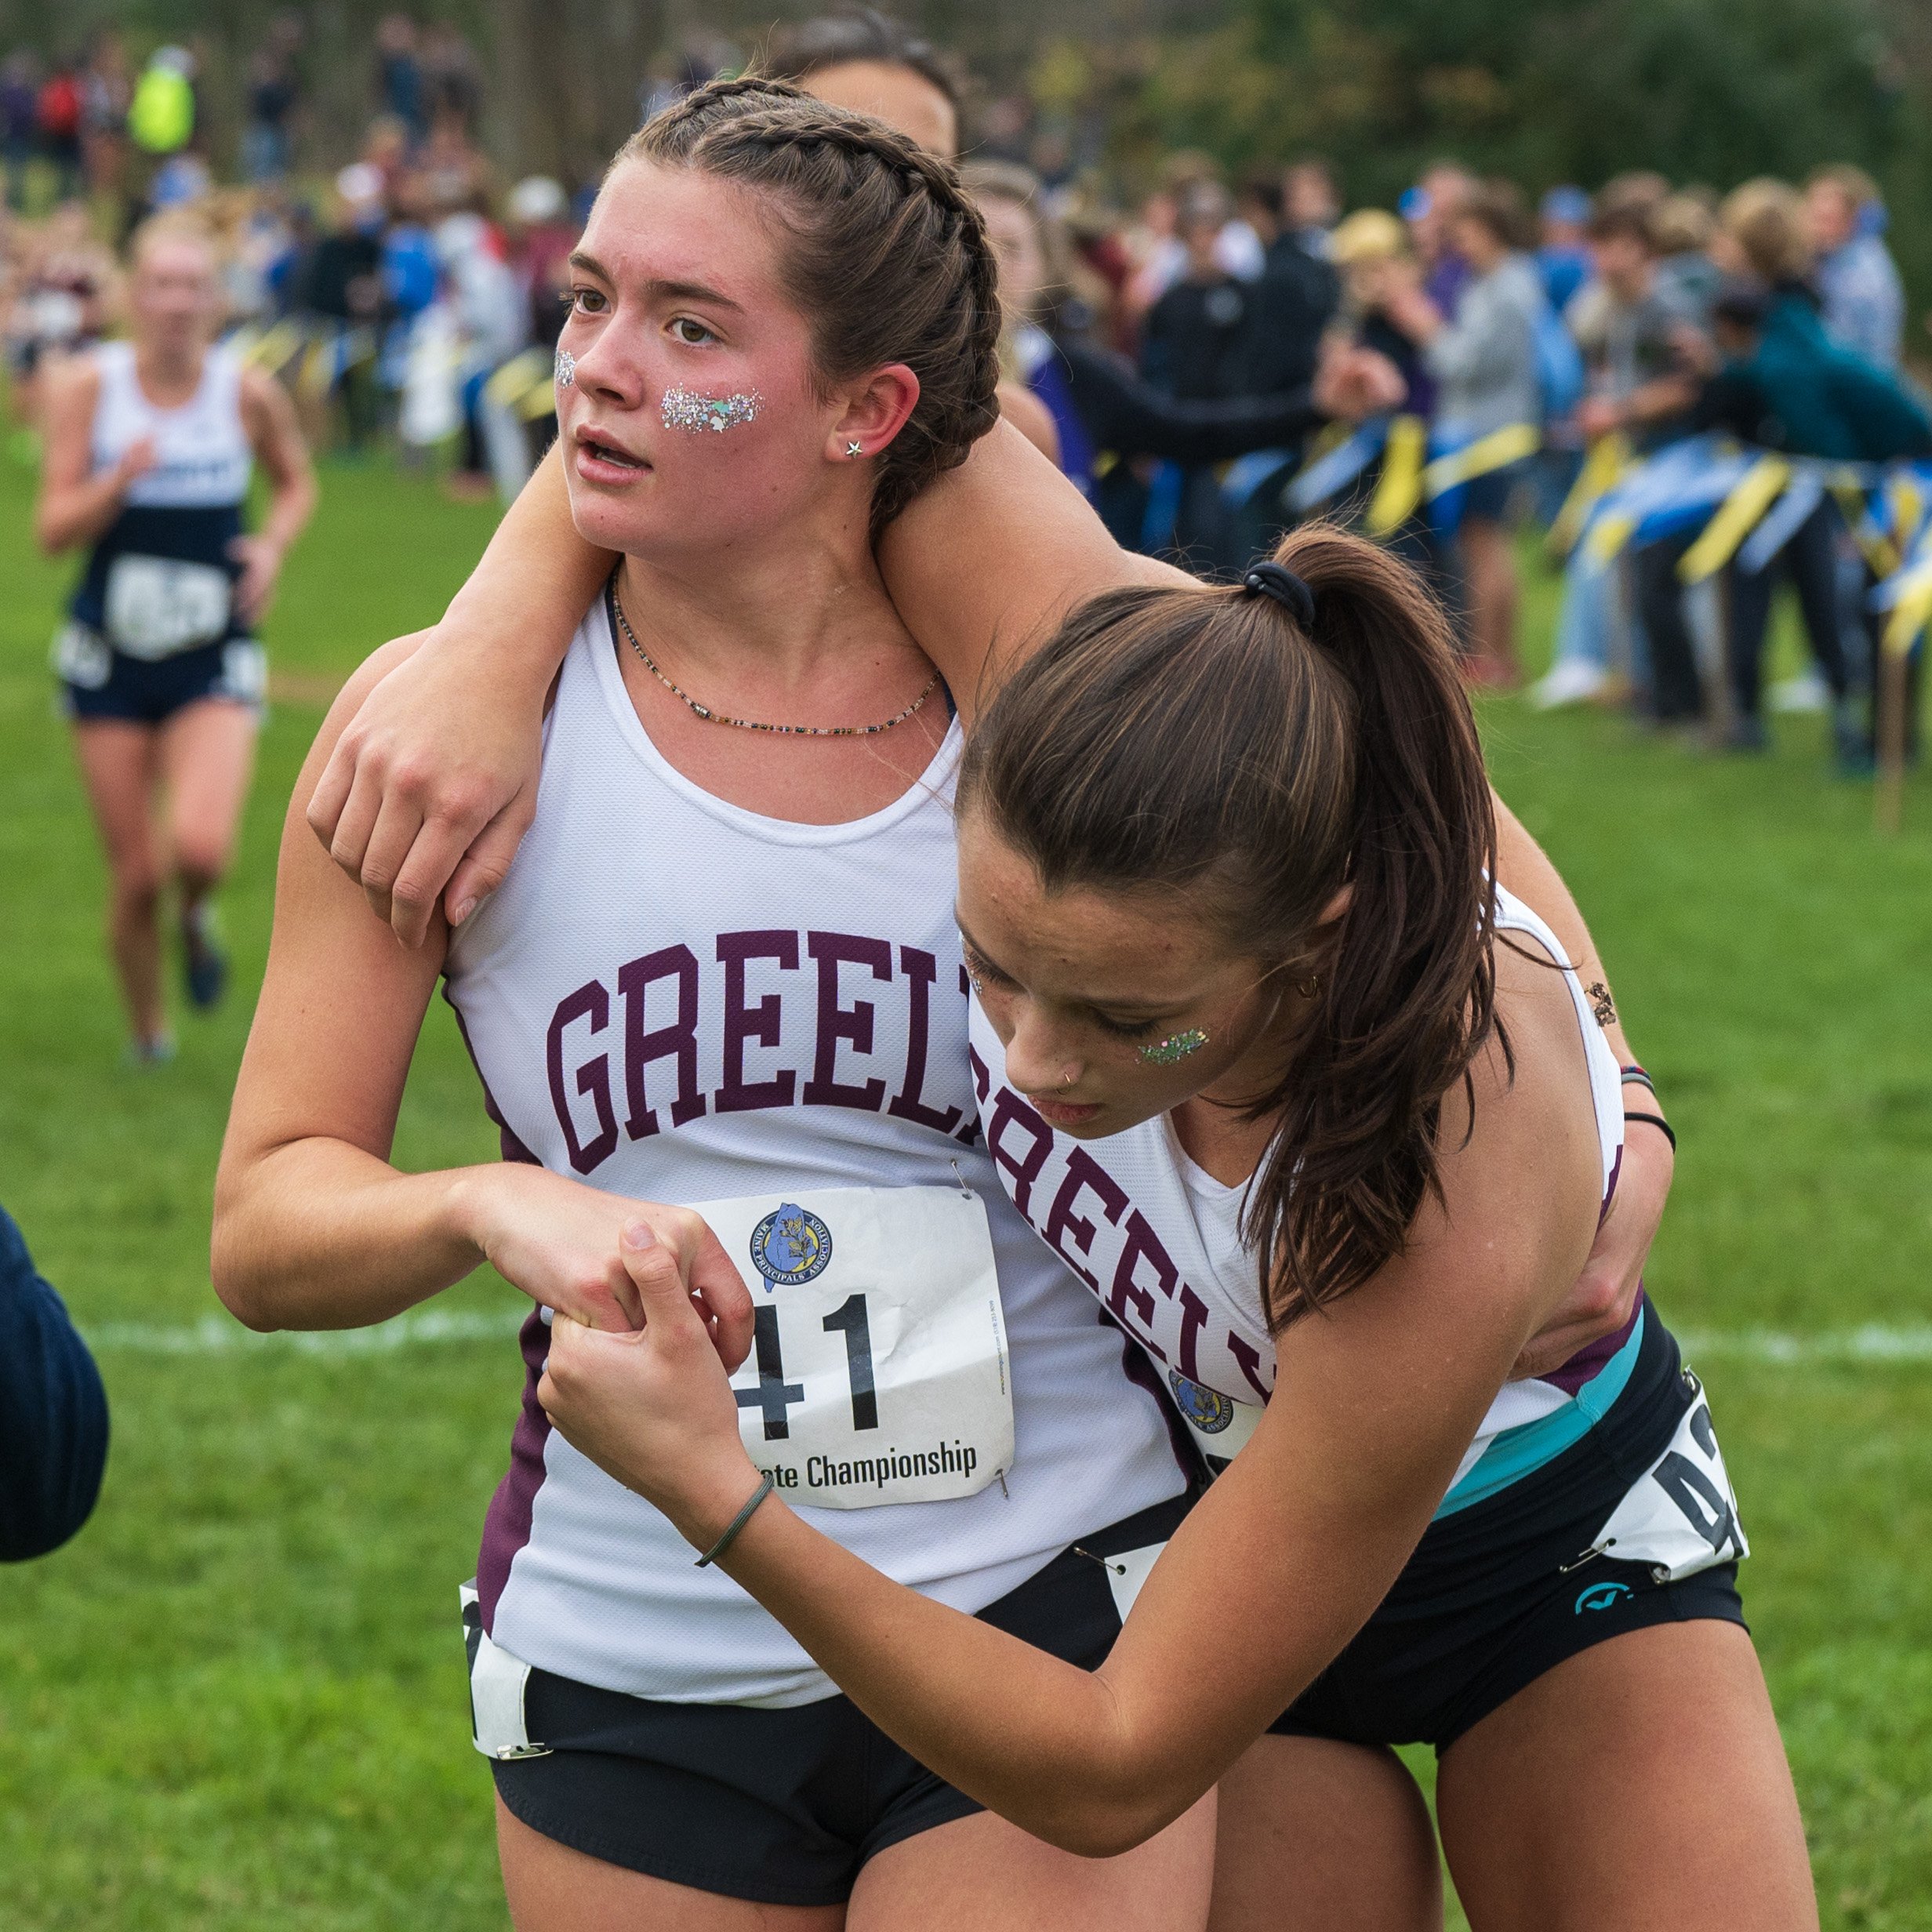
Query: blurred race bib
(878, 1369)
(158, 606)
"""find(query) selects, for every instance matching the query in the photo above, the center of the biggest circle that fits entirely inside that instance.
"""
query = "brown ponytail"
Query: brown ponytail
(883, 253)
(1203, 740)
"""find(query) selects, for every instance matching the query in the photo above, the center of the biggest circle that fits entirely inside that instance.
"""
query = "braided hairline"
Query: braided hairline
(910, 165)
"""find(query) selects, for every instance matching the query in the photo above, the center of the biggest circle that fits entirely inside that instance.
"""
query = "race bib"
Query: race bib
(1682, 1517)
(158, 606)
(878, 1368)
(1219, 1424)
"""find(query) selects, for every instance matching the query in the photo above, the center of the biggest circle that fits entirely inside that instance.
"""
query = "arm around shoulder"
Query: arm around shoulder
(431, 785)
(985, 561)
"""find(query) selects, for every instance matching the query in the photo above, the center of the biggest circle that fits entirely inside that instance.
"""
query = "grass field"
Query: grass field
(237, 1700)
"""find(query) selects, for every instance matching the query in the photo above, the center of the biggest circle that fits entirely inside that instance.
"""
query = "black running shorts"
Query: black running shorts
(1499, 1592)
(780, 1806)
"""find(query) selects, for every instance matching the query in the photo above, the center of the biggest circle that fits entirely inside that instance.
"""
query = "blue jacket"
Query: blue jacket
(53, 1411)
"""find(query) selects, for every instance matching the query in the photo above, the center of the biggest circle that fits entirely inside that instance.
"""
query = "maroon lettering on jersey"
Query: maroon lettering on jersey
(835, 1022)
(1011, 1115)
(1249, 1361)
(762, 1024)
(1141, 1244)
(1193, 1319)
(922, 971)
(677, 1041)
(592, 1002)
(1065, 1225)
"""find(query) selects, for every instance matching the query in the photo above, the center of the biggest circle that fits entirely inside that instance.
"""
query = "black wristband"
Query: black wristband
(1658, 1121)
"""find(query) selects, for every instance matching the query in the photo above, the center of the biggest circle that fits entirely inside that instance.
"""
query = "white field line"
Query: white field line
(1873, 1342)
(216, 1334)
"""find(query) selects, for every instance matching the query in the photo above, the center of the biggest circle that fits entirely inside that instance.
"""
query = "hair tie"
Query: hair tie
(1277, 581)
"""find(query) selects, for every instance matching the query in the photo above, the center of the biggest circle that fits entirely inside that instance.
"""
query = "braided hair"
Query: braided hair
(885, 255)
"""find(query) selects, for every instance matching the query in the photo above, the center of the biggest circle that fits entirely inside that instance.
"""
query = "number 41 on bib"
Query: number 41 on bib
(878, 1367)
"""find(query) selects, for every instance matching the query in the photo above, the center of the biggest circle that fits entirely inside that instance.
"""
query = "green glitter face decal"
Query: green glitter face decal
(1175, 1047)
(685, 409)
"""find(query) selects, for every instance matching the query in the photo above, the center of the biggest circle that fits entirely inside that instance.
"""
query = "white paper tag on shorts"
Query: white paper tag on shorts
(82, 657)
(1128, 1571)
(497, 1680)
(878, 1369)
(1682, 1517)
(159, 606)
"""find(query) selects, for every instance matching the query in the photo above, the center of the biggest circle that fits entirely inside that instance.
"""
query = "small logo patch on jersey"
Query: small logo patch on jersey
(1601, 1596)
(790, 1246)
(1207, 1409)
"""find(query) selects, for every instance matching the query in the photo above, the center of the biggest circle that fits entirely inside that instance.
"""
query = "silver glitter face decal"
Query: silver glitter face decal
(566, 369)
(685, 409)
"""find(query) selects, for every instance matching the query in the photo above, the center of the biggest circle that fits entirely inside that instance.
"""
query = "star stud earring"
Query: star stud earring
(854, 449)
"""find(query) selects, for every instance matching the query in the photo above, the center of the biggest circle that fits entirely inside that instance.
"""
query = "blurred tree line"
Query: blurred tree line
(1705, 91)
(1556, 90)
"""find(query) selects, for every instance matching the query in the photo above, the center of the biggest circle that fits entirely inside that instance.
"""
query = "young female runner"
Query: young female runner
(727, 974)
(445, 748)
(1262, 1055)
(149, 444)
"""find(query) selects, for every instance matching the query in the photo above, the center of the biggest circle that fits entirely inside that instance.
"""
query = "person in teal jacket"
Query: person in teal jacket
(1787, 386)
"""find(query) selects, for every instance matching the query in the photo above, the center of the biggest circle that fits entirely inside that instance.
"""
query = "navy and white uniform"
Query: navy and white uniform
(152, 626)
(675, 999)
(1599, 1486)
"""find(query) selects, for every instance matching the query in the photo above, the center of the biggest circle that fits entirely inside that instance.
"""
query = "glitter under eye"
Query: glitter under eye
(1175, 1047)
(566, 369)
(684, 409)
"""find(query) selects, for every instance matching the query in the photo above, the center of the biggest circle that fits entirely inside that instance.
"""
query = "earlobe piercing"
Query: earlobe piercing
(854, 449)
(1175, 1047)
(566, 369)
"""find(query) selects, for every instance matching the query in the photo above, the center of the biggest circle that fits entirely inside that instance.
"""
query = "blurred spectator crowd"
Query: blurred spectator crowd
(1695, 399)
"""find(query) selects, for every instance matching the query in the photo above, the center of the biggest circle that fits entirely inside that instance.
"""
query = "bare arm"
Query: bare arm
(1605, 1293)
(433, 784)
(276, 437)
(442, 760)
(431, 788)
(314, 1228)
(1377, 1399)
(75, 507)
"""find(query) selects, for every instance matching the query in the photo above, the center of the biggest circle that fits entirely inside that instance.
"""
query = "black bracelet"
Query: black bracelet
(1656, 1121)
(737, 1522)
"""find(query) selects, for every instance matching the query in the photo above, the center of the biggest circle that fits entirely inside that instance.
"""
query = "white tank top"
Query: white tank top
(203, 457)
(1157, 1239)
(674, 998)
